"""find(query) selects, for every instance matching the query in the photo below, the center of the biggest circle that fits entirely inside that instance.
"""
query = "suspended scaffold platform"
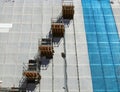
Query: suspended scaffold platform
(46, 48)
(31, 71)
(57, 28)
(31, 75)
(67, 9)
(17, 89)
(12, 89)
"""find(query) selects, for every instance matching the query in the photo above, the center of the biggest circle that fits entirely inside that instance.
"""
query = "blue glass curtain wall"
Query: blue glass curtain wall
(103, 45)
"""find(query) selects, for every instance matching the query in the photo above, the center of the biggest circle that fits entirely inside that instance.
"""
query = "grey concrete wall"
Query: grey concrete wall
(116, 8)
(31, 21)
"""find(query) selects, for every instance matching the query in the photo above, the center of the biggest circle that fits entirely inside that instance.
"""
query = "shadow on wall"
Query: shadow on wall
(44, 63)
(31, 87)
(24, 85)
(56, 41)
(66, 22)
